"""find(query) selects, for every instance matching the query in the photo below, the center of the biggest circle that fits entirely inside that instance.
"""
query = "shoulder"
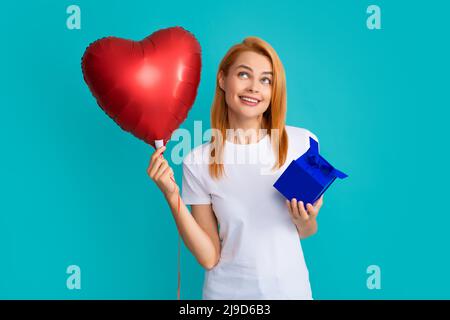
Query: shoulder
(300, 134)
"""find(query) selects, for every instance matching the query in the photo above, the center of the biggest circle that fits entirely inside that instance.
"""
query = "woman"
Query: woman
(242, 230)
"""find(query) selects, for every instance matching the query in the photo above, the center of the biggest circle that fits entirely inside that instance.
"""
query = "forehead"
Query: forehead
(258, 62)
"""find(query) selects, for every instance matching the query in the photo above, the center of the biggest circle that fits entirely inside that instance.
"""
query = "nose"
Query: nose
(253, 87)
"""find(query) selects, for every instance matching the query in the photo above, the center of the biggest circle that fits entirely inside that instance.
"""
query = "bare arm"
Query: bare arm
(199, 230)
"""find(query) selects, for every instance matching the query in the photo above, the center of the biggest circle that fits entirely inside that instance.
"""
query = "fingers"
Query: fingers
(312, 211)
(168, 173)
(155, 161)
(160, 165)
(297, 210)
(158, 151)
(301, 209)
(288, 204)
(318, 204)
(156, 155)
(154, 167)
(162, 169)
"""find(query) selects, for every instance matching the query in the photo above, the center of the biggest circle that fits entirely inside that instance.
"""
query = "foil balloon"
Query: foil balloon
(147, 87)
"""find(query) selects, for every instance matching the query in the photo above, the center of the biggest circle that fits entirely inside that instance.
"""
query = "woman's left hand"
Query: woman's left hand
(304, 219)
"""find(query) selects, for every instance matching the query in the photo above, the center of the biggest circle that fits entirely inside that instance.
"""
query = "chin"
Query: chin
(250, 114)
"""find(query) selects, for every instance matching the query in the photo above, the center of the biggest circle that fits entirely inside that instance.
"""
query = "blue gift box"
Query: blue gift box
(307, 178)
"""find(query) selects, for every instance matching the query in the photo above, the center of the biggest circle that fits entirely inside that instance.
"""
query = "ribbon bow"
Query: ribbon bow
(315, 162)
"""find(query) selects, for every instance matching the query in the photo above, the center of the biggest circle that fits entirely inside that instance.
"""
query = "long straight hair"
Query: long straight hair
(272, 119)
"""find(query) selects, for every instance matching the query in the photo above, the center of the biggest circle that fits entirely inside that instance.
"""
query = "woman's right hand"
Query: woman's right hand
(162, 174)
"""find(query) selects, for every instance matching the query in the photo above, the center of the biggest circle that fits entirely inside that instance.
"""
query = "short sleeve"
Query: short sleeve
(193, 191)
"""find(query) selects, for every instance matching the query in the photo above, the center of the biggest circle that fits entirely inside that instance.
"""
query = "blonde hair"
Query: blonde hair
(273, 117)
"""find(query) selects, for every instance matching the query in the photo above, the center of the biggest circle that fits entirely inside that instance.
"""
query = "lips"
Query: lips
(249, 100)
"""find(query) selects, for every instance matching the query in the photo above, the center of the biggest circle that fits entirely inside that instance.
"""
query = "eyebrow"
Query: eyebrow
(247, 67)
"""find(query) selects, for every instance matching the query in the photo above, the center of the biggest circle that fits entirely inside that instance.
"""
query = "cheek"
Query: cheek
(231, 97)
(234, 88)
(267, 93)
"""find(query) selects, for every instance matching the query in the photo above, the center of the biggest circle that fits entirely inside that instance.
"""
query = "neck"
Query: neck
(245, 131)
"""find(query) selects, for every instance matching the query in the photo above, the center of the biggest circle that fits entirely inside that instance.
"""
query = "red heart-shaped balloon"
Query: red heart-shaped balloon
(147, 87)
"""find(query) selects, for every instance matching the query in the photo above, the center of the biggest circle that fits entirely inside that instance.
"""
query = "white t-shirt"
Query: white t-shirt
(261, 254)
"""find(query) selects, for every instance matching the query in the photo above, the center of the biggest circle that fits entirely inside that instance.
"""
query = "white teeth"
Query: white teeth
(249, 99)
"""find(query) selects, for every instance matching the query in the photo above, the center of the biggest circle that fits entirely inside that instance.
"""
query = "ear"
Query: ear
(221, 80)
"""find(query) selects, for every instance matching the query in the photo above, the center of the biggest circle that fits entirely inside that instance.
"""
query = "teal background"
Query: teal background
(74, 185)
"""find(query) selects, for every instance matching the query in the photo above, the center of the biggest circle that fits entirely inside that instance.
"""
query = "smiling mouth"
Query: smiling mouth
(249, 101)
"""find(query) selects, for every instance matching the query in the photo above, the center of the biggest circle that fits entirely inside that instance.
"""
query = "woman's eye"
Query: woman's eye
(241, 73)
